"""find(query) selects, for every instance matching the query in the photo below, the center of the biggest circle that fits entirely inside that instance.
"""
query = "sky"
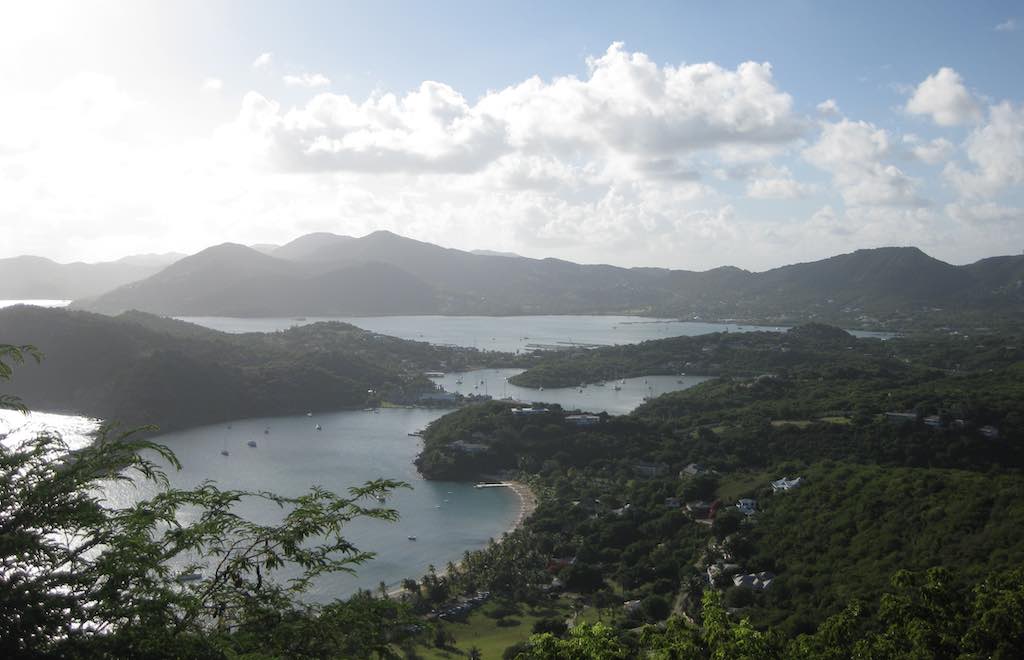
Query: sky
(677, 134)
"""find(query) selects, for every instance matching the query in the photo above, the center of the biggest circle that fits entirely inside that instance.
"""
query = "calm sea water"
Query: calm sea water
(592, 398)
(447, 518)
(502, 333)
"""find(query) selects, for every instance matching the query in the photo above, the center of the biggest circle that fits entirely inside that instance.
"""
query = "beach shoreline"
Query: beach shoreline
(527, 505)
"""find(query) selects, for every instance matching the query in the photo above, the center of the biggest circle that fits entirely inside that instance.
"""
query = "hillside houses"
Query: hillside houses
(786, 484)
(755, 581)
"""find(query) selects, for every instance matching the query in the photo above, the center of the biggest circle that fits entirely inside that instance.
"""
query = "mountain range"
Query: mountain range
(382, 273)
(325, 274)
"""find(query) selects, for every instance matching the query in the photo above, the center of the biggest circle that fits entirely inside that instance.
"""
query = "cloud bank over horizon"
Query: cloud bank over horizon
(689, 165)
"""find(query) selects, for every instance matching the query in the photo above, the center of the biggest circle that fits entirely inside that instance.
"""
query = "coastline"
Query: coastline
(527, 505)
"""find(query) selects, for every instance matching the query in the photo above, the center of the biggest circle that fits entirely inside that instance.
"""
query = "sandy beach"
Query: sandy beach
(527, 505)
(527, 502)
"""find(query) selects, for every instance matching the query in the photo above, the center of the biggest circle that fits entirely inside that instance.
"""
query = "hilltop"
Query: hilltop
(383, 273)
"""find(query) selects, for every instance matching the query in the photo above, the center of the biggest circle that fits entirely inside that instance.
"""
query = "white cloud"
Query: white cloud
(777, 183)
(263, 60)
(944, 97)
(996, 150)
(618, 164)
(307, 80)
(854, 153)
(630, 116)
(213, 84)
(1009, 25)
(828, 108)
(934, 152)
(985, 213)
(631, 105)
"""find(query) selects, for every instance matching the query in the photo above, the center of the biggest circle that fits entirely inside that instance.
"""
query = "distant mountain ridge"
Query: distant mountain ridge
(37, 277)
(383, 273)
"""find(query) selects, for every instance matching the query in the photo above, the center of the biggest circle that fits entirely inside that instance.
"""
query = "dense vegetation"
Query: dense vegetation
(903, 538)
(143, 369)
(812, 348)
(937, 487)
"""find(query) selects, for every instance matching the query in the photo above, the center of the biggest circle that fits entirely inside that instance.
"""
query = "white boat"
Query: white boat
(319, 428)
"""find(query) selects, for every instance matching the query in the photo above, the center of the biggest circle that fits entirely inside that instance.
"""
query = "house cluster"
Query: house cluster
(584, 419)
(722, 569)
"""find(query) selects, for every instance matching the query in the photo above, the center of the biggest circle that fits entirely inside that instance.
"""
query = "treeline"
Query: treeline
(143, 369)
(924, 616)
(935, 487)
(813, 348)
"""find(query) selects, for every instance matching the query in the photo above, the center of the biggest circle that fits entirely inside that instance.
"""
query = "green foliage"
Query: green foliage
(585, 642)
(142, 369)
(79, 577)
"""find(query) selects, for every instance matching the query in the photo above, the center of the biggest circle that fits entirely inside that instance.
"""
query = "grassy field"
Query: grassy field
(493, 635)
(734, 485)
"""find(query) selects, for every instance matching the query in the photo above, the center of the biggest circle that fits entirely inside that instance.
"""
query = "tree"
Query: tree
(77, 575)
(585, 642)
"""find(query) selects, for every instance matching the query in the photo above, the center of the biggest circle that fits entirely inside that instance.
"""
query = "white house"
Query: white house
(756, 581)
(785, 483)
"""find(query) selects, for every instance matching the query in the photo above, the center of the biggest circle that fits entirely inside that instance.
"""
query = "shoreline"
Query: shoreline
(527, 505)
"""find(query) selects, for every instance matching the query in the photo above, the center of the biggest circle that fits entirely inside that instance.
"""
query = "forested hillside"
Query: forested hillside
(643, 508)
(142, 369)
